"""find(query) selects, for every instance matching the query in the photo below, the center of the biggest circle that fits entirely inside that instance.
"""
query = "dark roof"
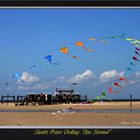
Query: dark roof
(64, 90)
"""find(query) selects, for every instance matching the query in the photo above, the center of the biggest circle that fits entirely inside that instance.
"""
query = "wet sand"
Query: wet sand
(70, 119)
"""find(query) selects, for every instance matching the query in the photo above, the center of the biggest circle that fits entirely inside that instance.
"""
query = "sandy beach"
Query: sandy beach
(69, 115)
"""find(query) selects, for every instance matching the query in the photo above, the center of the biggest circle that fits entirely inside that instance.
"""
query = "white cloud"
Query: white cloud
(29, 78)
(87, 75)
(109, 75)
(62, 81)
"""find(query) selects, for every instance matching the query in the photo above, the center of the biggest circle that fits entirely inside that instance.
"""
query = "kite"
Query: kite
(129, 39)
(131, 63)
(138, 49)
(116, 84)
(75, 57)
(6, 83)
(80, 44)
(123, 79)
(135, 58)
(121, 36)
(17, 76)
(33, 66)
(92, 38)
(65, 51)
(137, 53)
(133, 41)
(97, 98)
(49, 58)
(96, 40)
(135, 45)
(125, 73)
(129, 69)
(103, 94)
(110, 90)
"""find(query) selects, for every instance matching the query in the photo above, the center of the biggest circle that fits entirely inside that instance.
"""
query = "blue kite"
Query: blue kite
(49, 58)
(17, 77)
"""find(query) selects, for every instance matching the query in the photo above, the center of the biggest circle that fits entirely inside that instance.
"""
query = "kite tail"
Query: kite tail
(116, 91)
(75, 57)
(103, 41)
(22, 81)
(87, 49)
(55, 63)
(122, 36)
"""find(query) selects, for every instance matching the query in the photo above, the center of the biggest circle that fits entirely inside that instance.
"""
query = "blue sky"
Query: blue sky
(28, 35)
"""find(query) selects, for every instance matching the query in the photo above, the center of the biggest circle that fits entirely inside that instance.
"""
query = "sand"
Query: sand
(72, 119)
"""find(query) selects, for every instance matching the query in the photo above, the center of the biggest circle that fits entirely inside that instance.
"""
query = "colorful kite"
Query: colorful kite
(137, 53)
(116, 84)
(49, 58)
(33, 66)
(65, 51)
(138, 49)
(97, 40)
(110, 90)
(129, 69)
(123, 79)
(17, 77)
(80, 44)
(91, 38)
(103, 94)
(131, 63)
(97, 98)
(135, 58)
(133, 41)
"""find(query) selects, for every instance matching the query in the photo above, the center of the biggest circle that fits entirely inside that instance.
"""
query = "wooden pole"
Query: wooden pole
(7, 98)
(130, 100)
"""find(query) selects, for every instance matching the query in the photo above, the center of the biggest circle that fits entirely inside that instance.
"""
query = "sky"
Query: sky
(28, 35)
